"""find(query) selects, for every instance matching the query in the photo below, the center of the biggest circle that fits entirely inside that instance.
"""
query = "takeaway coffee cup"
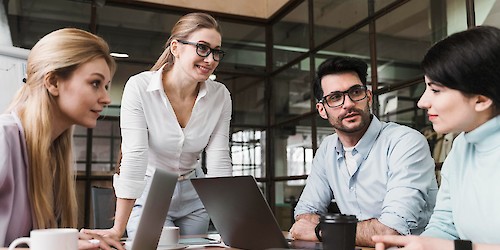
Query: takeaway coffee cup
(169, 236)
(54, 239)
(338, 231)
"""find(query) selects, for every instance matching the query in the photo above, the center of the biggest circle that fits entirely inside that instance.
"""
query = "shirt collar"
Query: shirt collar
(203, 90)
(486, 136)
(366, 142)
(157, 84)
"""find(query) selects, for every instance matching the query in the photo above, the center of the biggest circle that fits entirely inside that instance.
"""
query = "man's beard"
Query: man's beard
(363, 123)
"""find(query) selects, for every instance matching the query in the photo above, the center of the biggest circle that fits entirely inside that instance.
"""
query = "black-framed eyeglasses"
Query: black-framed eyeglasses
(336, 99)
(204, 50)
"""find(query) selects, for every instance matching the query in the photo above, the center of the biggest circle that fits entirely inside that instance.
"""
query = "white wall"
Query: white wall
(12, 73)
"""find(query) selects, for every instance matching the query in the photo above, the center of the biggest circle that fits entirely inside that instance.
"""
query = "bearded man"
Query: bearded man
(381, 172)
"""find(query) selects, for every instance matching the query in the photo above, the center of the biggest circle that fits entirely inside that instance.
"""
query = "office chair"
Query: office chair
(103, 206)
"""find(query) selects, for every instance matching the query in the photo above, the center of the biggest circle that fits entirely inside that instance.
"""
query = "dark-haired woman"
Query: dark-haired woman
(462, 76)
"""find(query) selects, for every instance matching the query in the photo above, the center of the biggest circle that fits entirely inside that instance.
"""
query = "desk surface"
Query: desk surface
(298, 244)
(215, 248)
(295, 244)
(212, 248)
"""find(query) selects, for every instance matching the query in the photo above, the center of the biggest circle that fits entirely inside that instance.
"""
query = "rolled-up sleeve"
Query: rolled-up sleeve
(218, 158)
(411, 185)
(317, 193)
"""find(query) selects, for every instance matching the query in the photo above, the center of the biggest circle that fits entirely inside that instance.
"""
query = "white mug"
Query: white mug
(53, 238)
(169, 236)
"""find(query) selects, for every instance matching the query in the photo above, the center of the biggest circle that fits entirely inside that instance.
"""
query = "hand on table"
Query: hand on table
(90, 240)
(411, 242)
(303, 229)
(112, 233)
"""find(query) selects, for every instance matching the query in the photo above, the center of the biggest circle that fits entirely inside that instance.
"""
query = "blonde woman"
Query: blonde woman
(68, 74)
(169, 115)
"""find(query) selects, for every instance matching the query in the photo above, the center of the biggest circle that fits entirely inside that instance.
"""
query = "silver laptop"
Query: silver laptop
(154, 211)
(240, 212)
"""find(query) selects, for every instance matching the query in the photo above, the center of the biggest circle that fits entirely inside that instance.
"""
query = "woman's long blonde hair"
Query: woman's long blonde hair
(51, 179)
(186, 25)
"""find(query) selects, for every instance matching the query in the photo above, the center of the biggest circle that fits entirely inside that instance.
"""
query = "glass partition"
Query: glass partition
(292, 92)
(248, 152)
(332, 17)
(401, 106)
(245, 48)
(142, 37)
(248, 96)
(290, 36)
(80, 148)
(30, 20)
(323, 129)
(293, 149)
(380, 4)
(403, 37)
(293, 156)
(106, 142)
(356, 44)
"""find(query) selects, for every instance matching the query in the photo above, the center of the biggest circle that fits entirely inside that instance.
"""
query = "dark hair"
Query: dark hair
(336, 65)
(468, 61)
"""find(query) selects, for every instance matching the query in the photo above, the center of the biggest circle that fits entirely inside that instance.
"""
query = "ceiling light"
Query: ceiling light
(119, 55)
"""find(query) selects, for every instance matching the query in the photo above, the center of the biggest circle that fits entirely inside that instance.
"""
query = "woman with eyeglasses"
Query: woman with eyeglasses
(462, 94)
(169, 115)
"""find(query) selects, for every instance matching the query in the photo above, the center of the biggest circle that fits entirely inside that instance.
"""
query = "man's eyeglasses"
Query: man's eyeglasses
(204, 50)
(336, 99)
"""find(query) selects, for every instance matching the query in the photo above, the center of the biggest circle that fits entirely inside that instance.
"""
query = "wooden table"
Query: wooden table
(215, 248)
(297, 244)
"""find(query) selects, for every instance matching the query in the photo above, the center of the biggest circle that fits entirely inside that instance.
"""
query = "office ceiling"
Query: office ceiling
(255, 8)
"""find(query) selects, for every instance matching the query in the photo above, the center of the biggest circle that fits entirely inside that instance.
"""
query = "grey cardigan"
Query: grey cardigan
(15, 209)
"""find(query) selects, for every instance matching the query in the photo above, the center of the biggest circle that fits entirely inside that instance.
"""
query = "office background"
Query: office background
(273, 48)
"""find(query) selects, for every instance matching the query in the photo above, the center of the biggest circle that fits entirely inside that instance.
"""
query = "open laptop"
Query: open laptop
(240, 212)
(154, 211)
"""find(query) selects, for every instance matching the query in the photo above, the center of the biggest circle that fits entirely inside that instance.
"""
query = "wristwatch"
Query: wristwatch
(463, 245)
(317, 230)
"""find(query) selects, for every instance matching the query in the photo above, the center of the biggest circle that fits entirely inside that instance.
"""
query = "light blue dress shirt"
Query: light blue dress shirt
(394, 181)
(468, 201)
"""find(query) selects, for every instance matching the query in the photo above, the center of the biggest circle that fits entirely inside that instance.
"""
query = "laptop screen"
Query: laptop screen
(240, 212)
(155, 210)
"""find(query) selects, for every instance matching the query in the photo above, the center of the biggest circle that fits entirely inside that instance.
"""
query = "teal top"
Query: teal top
(468, 201)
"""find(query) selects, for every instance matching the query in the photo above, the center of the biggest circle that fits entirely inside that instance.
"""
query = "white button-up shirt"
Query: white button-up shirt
(152, 137)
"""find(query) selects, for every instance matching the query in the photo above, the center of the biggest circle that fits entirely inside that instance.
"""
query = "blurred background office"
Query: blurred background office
(273, 48)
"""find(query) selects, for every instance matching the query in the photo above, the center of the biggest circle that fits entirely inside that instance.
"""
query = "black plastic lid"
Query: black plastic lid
(338, 218)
